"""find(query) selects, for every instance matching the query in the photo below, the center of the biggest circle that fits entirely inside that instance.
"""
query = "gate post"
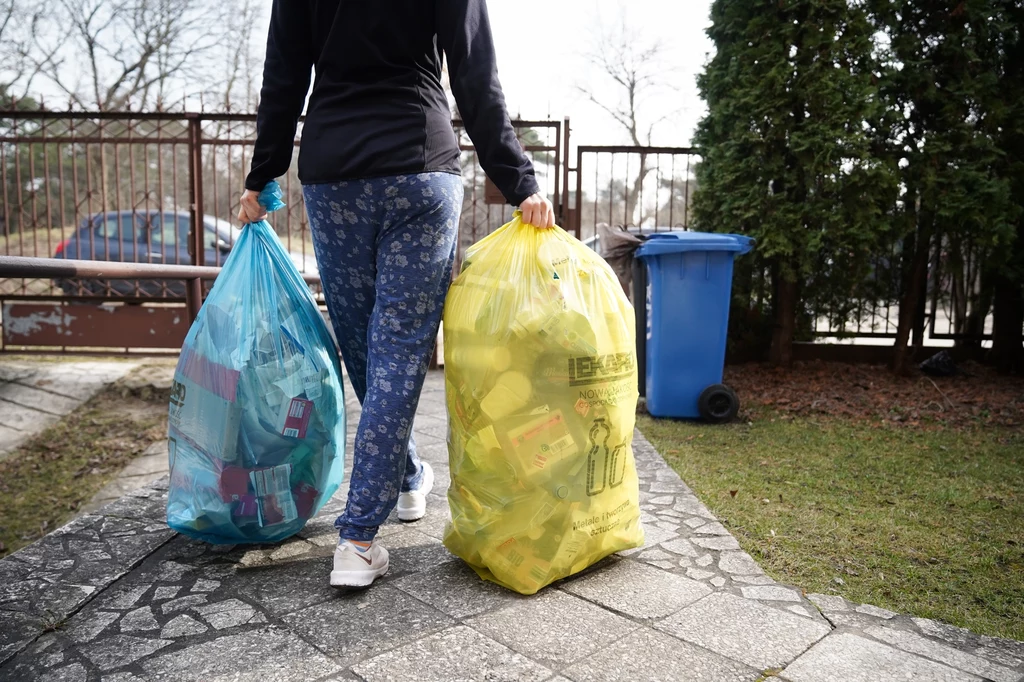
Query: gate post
(640, 312)
(921, 312)
(194, 287)
(565, 208)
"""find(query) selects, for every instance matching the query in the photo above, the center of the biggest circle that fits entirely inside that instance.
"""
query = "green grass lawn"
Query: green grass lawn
(44, 481)
(924, 522)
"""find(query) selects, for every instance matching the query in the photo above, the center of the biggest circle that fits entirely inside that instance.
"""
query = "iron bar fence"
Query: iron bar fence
(161, 189)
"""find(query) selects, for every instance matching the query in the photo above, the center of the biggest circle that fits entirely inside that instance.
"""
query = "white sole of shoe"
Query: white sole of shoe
(412, 513)
(417, 511)
(409, 516)
(356, 578)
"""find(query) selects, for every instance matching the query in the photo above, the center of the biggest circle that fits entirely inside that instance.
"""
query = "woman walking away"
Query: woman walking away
(379, 166)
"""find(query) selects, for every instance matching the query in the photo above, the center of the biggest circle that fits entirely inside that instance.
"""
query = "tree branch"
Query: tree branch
(619, 116)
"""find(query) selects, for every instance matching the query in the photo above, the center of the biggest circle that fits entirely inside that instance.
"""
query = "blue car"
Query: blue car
(149, 237)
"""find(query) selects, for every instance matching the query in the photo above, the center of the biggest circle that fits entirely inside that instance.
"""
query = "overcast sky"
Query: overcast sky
(539, 44)
(539, 41)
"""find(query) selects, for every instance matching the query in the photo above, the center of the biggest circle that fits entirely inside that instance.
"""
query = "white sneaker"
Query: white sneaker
(353, 568)
(413, 504)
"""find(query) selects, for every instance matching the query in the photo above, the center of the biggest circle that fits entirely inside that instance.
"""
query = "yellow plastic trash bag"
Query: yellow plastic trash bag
(541, 383)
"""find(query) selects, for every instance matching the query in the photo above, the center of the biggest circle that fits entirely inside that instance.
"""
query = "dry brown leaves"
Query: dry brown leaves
(976, 397)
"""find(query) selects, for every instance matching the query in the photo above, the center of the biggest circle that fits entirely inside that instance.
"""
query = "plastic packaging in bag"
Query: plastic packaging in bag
(256, 432)
(541, 385)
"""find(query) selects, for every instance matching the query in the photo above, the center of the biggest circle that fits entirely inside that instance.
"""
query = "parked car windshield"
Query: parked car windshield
(161, 231)
(113, 226)
(223, 229)
(175, 226)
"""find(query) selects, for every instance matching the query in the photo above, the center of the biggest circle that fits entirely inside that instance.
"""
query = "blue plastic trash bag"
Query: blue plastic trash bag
(256, 433)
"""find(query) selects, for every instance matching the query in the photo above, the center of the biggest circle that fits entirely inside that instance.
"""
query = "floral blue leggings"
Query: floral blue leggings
(385, 248)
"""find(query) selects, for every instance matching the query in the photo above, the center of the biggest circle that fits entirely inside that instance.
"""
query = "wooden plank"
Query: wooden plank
(95, 326)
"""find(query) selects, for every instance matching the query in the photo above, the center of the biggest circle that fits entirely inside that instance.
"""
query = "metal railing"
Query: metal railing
(168, 184)
(60, 172)
(643, 187)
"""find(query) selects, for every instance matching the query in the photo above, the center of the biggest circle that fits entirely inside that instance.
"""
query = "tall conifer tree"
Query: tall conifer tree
(787, 150)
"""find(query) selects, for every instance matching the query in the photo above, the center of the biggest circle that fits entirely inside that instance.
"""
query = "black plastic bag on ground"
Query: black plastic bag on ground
(940, 365)
(617, 248)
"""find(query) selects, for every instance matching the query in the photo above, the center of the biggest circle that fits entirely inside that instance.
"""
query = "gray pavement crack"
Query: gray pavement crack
(28, 407)
(832, 624)
(46, 389)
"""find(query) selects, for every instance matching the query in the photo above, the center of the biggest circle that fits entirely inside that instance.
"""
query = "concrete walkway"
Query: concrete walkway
(116, 596)
(34, 395)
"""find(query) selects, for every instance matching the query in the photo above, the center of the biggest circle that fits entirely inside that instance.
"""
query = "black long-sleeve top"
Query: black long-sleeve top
(377, 107)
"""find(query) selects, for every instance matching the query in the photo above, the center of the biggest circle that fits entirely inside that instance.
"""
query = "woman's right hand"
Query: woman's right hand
(537, 211)
(250, 210)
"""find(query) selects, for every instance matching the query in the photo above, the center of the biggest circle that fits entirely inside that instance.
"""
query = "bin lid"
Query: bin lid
(676, 242)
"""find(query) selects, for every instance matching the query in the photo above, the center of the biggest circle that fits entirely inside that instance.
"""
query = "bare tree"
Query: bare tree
(9, 27)
(18, 22)
(631, 67)
(239, 81)
(115, 55)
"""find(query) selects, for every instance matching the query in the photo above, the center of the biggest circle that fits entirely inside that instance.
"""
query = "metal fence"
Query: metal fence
(139, 182)
(484, 209)
(645, 188)
(162, 189)
(58, 170)
(957, 306)
(156, 188)
(650, 189)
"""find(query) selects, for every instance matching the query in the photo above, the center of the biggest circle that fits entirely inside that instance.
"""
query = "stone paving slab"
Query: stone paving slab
(116, 596)
(77, 380)
(37, 398)
(851, 658)
(35, 395)
(455, 590)
(650, 655)
(46, 582)
(141, 472)
(457, 653)
(992, 657)
(637, 590)
(27, 420)
(152, 462)
(943, 653)
(361, 625)
(554, 628)
(757, 635)
(10, 439)
(267, 654)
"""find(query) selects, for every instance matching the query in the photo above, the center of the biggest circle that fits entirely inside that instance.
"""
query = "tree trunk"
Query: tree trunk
(912, 294)
(1007, 337)
(978, 310)
(784, 302)
(633, 195)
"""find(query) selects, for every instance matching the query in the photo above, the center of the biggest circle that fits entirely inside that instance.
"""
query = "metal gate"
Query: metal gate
(643, 189)
(131, 178)
(650, 189)
(161, 189)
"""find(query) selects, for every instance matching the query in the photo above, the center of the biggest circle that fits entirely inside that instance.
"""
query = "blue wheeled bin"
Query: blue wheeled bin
(689, 287)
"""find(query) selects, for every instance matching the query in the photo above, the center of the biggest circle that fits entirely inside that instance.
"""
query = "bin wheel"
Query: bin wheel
(718, 404)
